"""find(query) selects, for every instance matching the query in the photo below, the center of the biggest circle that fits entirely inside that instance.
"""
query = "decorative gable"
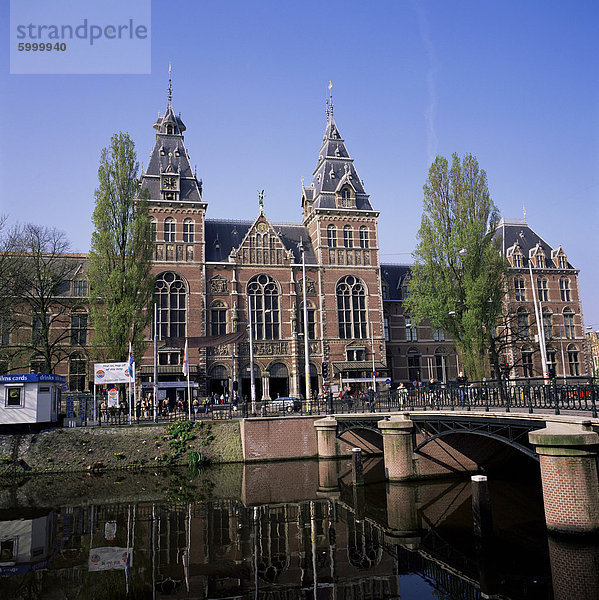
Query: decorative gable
(262, 246)
(559, 258)
(538, 257)
(515, 256)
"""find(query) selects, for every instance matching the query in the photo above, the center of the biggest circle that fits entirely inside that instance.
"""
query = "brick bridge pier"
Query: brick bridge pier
(419, 445)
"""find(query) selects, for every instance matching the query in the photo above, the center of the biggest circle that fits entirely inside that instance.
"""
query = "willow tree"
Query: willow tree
(120, 282)
(458, 271)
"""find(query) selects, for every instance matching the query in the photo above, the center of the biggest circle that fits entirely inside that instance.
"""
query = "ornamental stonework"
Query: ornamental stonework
(219, 285)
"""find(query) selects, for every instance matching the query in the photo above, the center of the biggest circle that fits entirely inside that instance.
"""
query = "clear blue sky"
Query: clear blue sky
(514, 83)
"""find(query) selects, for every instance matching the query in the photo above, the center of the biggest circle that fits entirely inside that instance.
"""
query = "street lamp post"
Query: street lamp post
(155, 363)
(252, 379)
(306, 336)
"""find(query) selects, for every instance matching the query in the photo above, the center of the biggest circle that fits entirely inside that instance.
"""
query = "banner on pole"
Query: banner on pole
(106, 559)
(112, 373)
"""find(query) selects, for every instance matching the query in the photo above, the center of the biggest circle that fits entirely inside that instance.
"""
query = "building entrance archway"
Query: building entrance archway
(279, 380)
(246, 393)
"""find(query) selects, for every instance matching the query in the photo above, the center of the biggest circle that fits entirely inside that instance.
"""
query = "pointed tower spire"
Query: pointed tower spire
(170, 85)
(335, 181)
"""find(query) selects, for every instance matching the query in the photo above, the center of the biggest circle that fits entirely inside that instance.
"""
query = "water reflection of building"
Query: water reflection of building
(326, 548)
(26, 543)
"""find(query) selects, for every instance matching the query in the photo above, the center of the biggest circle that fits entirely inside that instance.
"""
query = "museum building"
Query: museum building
(218, 277)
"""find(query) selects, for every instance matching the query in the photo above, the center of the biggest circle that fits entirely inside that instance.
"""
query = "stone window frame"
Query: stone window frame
(565, 289)
(172, 320)
(527, 361)
(169, 229)
(519, 289)
(364, 234)
(79, 325)
(265, 291)
(569, 325)
(348, 236)
(351, 293)
(332, 236)
(188, 231)
(573, 360)
(77, 376)
(218, 326)
(311, 319)
(542, 289)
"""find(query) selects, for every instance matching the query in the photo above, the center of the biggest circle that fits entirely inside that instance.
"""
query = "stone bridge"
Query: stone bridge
(418, 445)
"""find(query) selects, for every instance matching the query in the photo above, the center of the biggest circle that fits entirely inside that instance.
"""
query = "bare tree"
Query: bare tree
(42, 271)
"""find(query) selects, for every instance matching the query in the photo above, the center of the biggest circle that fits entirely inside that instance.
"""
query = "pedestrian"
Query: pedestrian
(462, 382)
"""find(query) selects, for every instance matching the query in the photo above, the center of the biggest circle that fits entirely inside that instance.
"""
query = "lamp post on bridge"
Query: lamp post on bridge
(306, 328)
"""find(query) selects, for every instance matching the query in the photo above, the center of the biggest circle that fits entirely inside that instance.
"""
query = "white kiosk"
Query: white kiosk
(29, 399)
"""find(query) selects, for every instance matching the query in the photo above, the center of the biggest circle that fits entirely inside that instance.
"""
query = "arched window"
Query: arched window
(332, 236)
(564, 289)
(547, 324)
(153, 229)
(218, 318)
(364, 237)
(573, 362)
(519, 290)
(311, 320)
(351, 308)
(219, 372)
(527, 363)
(169, 230)
(542, 289)
(411, 330)
(413, 364)
(170, 295)
(348, 237)
(188, 231)
(569, 323)
(78, 328)
(77, 372)
(523, 331)
(346, 198)
(263, 294)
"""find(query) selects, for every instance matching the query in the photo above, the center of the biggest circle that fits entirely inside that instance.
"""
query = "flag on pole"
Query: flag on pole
(185, 365)
(130, 361)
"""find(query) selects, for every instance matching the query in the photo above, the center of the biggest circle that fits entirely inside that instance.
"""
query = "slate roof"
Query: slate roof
(169, 150)
(334, 167)
(224, 235)
(519, 231)
(394, 276)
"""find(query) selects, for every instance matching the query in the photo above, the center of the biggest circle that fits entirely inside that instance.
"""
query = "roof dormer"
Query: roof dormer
(559, 258)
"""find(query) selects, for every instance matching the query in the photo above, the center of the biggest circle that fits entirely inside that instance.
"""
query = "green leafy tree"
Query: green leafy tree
(458, 272)
(120, 281)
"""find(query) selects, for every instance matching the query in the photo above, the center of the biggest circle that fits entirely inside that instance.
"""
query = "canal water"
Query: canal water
(280, 531)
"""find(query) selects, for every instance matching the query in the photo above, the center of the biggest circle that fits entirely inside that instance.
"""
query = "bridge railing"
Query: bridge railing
(486, 396)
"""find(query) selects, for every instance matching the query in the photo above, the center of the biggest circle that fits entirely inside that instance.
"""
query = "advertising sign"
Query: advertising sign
(106, 559)
(110, 531)
(70, 406)
(112, 373)
(113, 397)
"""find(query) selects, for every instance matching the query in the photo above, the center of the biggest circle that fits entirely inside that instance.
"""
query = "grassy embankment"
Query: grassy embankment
(107, 448)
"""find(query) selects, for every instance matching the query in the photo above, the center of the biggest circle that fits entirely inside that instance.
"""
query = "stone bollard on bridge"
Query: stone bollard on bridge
(398, 447)
(568, 459)
(326, 437)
